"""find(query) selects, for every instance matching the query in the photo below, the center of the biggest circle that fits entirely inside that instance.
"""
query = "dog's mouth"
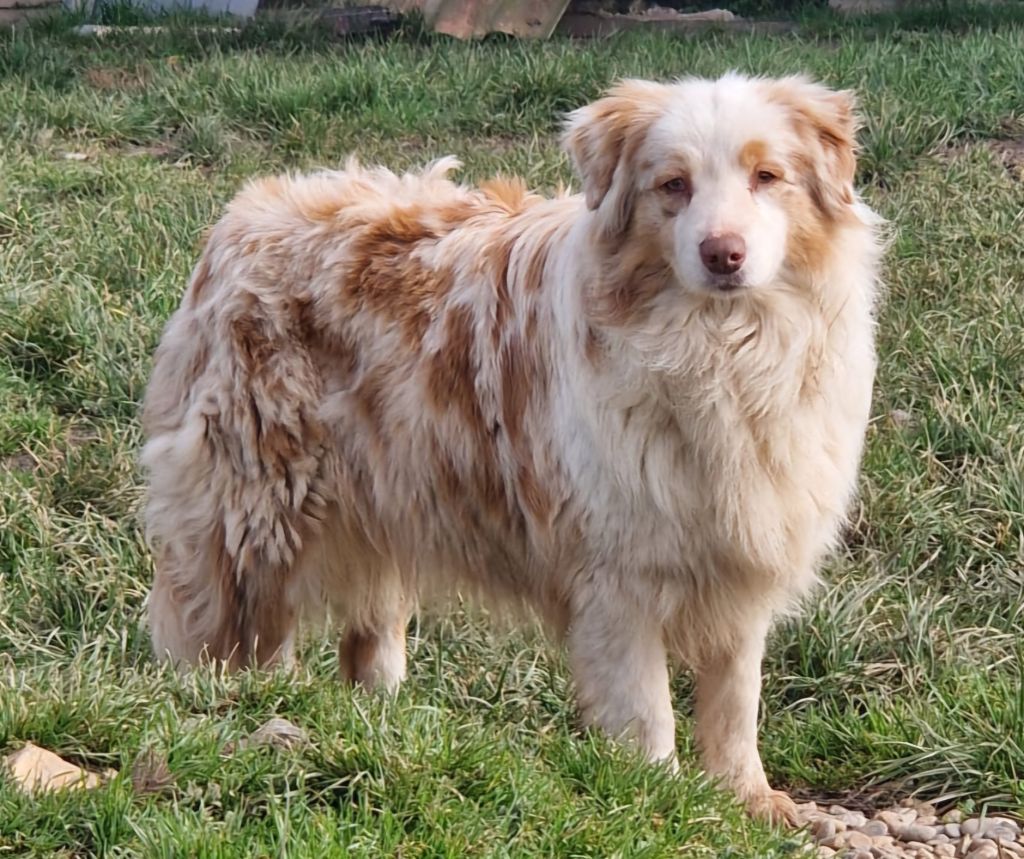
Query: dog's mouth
(726, 285)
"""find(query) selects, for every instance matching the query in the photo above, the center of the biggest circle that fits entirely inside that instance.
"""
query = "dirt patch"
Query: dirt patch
(1007, 147)
(1011, 154)
(109, 78)
(23, 462)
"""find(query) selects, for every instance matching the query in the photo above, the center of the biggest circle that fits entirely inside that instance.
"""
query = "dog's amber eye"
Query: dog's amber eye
(677, 186)
(765, 177)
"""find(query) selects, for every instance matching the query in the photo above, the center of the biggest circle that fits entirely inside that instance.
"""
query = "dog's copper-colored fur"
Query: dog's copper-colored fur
(379, 384)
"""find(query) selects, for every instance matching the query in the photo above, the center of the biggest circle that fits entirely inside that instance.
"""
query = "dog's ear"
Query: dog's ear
(827, 122)
(602, 139)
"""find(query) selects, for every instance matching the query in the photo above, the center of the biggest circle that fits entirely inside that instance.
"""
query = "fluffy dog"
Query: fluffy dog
(639, 410)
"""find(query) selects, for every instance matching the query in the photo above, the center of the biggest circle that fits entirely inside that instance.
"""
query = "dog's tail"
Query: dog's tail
(234, 459)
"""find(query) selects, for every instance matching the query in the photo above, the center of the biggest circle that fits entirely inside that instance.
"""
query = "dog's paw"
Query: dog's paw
(776, 807)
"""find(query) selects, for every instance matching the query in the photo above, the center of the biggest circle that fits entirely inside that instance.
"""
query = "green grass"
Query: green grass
(904, 675)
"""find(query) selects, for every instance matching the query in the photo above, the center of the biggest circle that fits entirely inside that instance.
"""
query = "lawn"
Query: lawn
(905, 675)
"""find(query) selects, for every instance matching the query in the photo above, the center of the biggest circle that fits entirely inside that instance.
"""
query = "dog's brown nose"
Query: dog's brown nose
(723, 254)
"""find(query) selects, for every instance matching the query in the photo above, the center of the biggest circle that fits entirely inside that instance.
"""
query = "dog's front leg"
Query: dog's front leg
(727, 695)
(620, 669)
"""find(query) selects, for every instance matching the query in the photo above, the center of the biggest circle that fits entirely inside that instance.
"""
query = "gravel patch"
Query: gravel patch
(911, 831)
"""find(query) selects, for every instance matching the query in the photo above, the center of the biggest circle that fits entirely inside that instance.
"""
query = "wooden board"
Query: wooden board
(470, 19)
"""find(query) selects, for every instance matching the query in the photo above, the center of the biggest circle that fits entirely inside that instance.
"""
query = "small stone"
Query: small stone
(278, 732)
(823, 830)
(825, 852)
(944, 850)
(954, 816)
(884, 852)
(1003, 823)
(972, 826)
(927, 819)
(853, 819)
(1014, 848)
(859, 854)
(857, 840)
(983, 849)
(952, 830)
(916, 832)
(893, 820)
(873, 828)
(837, 810)
(915, 845)
(941, 838)
(807, 807)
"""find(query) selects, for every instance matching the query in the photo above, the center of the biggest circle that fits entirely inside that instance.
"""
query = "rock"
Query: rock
(277, 732)
(823, 830)
(859, 854)
(873, 828)
(954, 816)
(983, 849)
(972, 826)
(1003, 823)
(894, 820)
(853, 819)
(952, 830)
(825, 852)
(916, 832)
(35, 770)
(857, 840)
(944, 850)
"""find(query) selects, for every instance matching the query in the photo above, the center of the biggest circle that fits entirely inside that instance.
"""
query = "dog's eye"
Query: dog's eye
(677, 186)
(765, 177)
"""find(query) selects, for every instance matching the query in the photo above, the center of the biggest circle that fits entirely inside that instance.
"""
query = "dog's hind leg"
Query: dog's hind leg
(620, 669)
(371, 651)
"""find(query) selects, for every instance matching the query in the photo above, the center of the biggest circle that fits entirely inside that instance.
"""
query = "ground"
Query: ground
(905, 674)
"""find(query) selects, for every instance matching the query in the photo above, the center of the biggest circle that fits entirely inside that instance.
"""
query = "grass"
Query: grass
(905, 674)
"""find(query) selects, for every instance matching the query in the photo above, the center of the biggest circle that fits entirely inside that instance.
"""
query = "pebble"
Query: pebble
(916, 832)
(909, 830)
(823, 829)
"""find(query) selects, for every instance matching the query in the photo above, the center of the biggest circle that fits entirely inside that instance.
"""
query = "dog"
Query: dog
(638, 411)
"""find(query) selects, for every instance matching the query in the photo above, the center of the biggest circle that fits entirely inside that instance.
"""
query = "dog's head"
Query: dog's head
(736, 183)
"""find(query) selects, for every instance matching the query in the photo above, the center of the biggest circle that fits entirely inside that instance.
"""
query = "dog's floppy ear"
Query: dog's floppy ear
(826, 120)
(602, 139)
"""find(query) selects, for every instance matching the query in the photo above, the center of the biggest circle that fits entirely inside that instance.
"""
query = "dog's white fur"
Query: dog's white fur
(376, 384)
